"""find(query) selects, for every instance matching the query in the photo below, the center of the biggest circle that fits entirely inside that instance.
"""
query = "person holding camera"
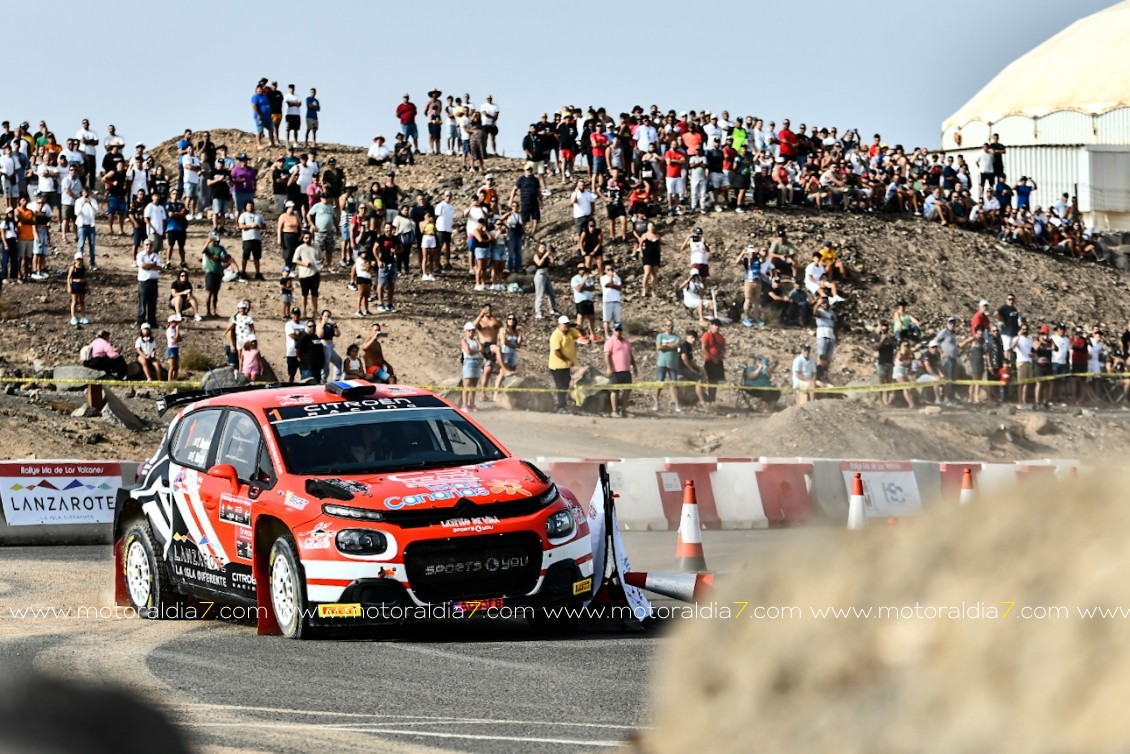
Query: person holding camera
(562, 358)
(751, 259)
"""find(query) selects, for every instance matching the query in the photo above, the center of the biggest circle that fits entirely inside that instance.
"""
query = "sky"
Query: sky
(893, 67)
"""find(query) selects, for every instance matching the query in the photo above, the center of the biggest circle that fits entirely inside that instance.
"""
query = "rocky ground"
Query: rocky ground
(940, 271)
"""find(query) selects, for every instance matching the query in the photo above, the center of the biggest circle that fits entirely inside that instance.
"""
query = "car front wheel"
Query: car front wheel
(288, 590)
(147, 578)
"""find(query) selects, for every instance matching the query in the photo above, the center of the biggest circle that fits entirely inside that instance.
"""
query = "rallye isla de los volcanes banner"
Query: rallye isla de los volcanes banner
(59, 492)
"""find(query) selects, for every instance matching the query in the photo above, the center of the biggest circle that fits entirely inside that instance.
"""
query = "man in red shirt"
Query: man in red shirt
(406, 114)
(980, 318)
(676, 183)
(621, 365)
(787, 141)
(714, 355)
(692, 140)
(599, 144)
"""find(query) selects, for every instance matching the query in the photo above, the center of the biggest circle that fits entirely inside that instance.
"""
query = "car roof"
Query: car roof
(306, 394)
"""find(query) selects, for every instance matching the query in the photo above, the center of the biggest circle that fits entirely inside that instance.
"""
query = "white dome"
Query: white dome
(1084, 69)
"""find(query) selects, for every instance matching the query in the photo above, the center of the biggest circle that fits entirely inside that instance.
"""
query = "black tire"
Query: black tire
(147, 577)
(287, 588)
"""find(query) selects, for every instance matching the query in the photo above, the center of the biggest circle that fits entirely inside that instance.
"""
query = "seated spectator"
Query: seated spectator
(402, 152)
(104, 357)
(181, 299)
(147, 357)
(693, 291)
(816, 281)
(379, 154)
(758, 374)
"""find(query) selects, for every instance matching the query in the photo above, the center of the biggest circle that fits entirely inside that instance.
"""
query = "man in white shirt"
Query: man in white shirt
(293, 115)
(291, 330)
(155, 217)
(378, 152)
(489, 111)
(148, 271)
(804, 374)
(69, 189)
(86, 214)
(1022, 347)
(191, 165)
(251, 231)
(582, 200)
(646, 135)
(113, 138)
(445, 224)
(815, 282)
(1061, 356)
(8, 178)
(583, 287)
(88, 141)
(610, 285)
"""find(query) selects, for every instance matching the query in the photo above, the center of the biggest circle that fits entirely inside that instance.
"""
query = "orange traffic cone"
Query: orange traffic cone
(688, 547)
(967, 495)
(857, 506)
(688, 587)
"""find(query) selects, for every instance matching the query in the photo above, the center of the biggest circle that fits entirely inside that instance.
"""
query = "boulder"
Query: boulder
(117, 412)
(452, 389)
(79, 373)
(595, 401)
(84, 411)
(222, 377)
(532, 401)
(267, 374)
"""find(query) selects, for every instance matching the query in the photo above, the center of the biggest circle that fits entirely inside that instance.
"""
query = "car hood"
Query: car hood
(506, 480)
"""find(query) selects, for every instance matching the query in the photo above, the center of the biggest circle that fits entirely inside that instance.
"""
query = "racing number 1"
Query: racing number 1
(274, 414)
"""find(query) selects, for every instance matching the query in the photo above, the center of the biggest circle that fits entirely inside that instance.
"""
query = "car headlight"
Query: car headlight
(361, 541)
(358, 514)
(549, 496)
(560, 524)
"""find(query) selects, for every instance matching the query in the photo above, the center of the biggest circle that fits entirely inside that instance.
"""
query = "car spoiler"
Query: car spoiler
(180, 398)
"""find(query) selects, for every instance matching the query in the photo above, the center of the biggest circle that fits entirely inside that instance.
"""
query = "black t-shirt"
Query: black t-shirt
(886, 352)
(207, 152)
(389, 196)
(311, 356)
(221, 190)
(276, 99)
(1009, 317)
(386, 247)
(529, 190)
(179, 286)
(567, 136)
(686, 355)
(613, 191)
(160, 186)
(714, 159)
(1043, 352)
(333, 180)
(590, 239)
(998, 156)
(279, 178)
(417, 213)
(111, 160)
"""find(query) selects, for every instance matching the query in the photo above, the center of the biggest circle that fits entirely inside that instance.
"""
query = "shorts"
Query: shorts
(172, 353)
(568, 155)
(615, 210)
(293, 122)
(885, 371)
(498, 254)
(611, 311)
(489, 357)
(409, 130)
(482, 252)
(24, 249)
(220, 206)
(78, 288)
(662, 374)
(703, 270)
(427, 242)
(1024, 370)
(116, 205)
(212, 281)
(510, 357)
(531, 213)
(434, 130)
(157, 241)
(443, 237)
(585, 308)
(825, 348)
(620, 378)
(287, 297)
(323, 240)
(1058, 369)
(310, 285)
(1078, 368)
(139, 235)
(11, 187)
(600, 166)
(900, 372)
(311, 123)
(387, 275)
(717, 181)
(175, 237)
(491, 129)
(253, 249)
(68, 212)
(465, 145)
(472, 367)
(276, 118)
(676, 186)
(540, 167)
(1043, 370)
(260, 126)
(242, 200)
(191, 191)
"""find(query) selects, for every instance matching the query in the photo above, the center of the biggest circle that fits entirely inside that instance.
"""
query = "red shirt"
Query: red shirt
(406, 111)
(692, 140)
(728, 155)
(980, 318)
(599, 143)
(787, 140)
(675, 162)
(713, 346)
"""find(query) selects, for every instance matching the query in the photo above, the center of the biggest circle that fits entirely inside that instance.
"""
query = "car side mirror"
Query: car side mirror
(225, 471)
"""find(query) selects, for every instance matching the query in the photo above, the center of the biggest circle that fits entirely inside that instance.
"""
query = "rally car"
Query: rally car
(313, 506)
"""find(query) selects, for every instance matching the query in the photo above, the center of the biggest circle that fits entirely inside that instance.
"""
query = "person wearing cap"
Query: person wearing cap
(472, 358)
(215, 258)
(948, 347)
(406, 114)
(1022, 348)
(1042, 353)
(489, 112)
(804, 375)
(76, 284)
(148, 265)
(611, 295)
(42, 246)
(308, 262)
(241, 326)
(1061, 368)
(378, 153)
(146, 348)
(244, 179)
(981, 317)
(621, 365)
(562, 358)
(313, 115)
(311, 355)
(584, 285)
(173, 341)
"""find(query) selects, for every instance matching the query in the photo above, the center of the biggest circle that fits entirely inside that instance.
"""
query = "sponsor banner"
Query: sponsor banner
(889, 487)
(59, 492)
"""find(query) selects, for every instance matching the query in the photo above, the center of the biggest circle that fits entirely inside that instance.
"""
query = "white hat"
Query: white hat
(563, 320)
(694, 271)
(145, 326)
(78, 255)
(469, 326)
(984, 302)
(174, 318)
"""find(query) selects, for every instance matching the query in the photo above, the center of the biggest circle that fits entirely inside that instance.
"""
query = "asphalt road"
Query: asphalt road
(468, 686)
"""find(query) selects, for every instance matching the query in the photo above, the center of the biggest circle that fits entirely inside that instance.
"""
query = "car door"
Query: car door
(240, 471)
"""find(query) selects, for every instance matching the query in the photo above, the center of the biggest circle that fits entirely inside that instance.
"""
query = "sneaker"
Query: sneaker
(381, 308)
(740, 210)
(717, 207)
(198, 318)
(392, 310)
(84, 321)
(74, 321)
(836, 299)
(759, 322)
(747, 321)
(678, 409)
(259, 276)
(597, 339)
(655, 406)
(563, 411)
(359, 315)
(583, 340)
(352, 286)
(480, 287)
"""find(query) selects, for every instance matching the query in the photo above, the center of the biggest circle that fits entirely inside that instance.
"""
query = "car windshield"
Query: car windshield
(370, 442)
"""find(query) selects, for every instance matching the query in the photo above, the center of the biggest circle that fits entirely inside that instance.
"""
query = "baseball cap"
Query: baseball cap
(469, 326)
(951, 319)
(984, 302)
(78, 255)
(805, 347)
(932, 344)
(295, 310)
(214, 236)
(289, 204)
(174, 318)
(245, 304)
(145, 326)
(243, 156)
(563, 320)
(1044, 328)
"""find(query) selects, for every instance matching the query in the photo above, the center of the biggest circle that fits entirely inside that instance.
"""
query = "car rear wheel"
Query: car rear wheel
(288, 590)
(147, 578)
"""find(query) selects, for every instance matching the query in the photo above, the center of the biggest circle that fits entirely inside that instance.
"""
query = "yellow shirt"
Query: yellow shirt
(567, 343)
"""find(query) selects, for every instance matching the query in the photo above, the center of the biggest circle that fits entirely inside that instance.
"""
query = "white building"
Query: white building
(1063, 112)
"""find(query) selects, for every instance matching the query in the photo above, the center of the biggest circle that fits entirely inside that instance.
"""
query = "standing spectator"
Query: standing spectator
(43, 213)
(472, 358)
(489, 112)
(947, 345)
(543, 284)
(1023, 191)
(825, 336)
(562, 357)
(751, 260)
(311, 356)
(1022, 347)
(528, 190)
(406, 114)
(976, 345)
(70, 187)
(155, 220)
(327, 331)
(1061, 366)
(244, 179)
(904, 361)
(293, 115)
(1042, 359)
(261, 116)
(433, 114)
(804, 375)
(997, 150)
(591, 244)
(279, 180)
(650, 244)
(583, 287)
(515, 237)
(621, 365)
(700, 253)
(582, 201)
(176, 226)
(313, 113)
(250, 360)
(386, 247)
(251, 229)
(288, 232)
(487, 327)
(675, 181)
(292, 328)
(610, 295)
(215, 258)
(146, 348)
(1008, 319)
(25, 237)
(510, 342)
(667, 363)
(172, 346)
(689, 371)
(241, 327)
(86, 215)
(89, 142)
(148, 271)
(981, 317)
(713, 356)
(884, 345)
(138, 231)
(445, 226)
(192, 168)
(363, 274)
(76, 284)
(286, 291)
(308, 262)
